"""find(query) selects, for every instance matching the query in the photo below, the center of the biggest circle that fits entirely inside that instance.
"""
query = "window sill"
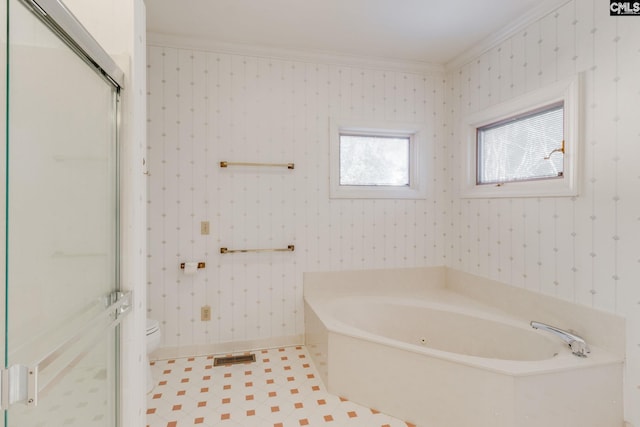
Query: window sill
(373, 192)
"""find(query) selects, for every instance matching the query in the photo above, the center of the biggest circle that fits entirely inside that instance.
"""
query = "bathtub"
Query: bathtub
(427, 353)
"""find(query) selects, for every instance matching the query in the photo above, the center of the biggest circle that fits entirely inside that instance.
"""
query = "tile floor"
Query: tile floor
(281, 389)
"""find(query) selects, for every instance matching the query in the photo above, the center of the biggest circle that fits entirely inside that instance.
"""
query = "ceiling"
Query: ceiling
(428, 31)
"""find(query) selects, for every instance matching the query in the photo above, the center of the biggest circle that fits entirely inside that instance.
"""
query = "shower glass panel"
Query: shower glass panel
(62, 229)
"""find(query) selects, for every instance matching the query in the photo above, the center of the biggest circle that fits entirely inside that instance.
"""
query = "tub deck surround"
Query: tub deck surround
(598, 328)
(457, 290)
(459, 332)
(439, 340)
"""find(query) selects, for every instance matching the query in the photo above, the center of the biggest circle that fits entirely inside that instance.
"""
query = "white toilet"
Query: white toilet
(153, 341)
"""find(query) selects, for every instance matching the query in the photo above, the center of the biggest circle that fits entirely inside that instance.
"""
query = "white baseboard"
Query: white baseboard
(224, 348)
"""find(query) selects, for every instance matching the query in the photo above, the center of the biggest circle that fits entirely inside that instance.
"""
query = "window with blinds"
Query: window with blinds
(519, 148)
(526, 146)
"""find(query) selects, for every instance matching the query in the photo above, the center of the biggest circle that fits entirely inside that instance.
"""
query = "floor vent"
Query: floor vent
(234, 360)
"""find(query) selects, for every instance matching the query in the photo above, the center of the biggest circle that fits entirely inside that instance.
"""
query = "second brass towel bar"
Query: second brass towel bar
(289, 248)
(224, 164)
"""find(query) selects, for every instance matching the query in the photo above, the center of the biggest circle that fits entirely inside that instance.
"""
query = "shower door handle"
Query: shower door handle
(22, 383)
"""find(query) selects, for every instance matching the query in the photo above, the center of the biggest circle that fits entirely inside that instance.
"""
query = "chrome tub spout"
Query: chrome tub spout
(577, 344)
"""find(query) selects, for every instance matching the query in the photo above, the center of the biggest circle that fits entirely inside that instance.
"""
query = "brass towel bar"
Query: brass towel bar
(289, 248)
(287, 165)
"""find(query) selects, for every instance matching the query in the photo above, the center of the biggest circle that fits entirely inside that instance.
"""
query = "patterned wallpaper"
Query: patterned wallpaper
(206, 107)
(582, 249)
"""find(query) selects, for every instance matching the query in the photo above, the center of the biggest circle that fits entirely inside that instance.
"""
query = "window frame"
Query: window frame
(532, 114)
(418, 154)
(565, 91)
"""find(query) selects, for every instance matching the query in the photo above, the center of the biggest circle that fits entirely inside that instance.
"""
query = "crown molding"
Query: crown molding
(543, 9)
(202, 44)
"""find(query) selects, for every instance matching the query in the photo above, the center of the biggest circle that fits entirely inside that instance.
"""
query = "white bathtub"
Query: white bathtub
(433, 356)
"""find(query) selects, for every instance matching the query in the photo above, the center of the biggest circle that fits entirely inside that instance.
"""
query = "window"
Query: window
(521, 148)
(383, 161)
(527, 147)
(374, 160)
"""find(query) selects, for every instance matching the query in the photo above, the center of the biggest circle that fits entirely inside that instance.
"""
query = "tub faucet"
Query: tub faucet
(577, 344)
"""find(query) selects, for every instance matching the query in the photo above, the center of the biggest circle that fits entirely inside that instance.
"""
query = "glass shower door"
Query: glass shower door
(62, 302)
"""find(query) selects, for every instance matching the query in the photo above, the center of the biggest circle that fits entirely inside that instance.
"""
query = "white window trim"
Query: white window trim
(567, 91)
(418, 160)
